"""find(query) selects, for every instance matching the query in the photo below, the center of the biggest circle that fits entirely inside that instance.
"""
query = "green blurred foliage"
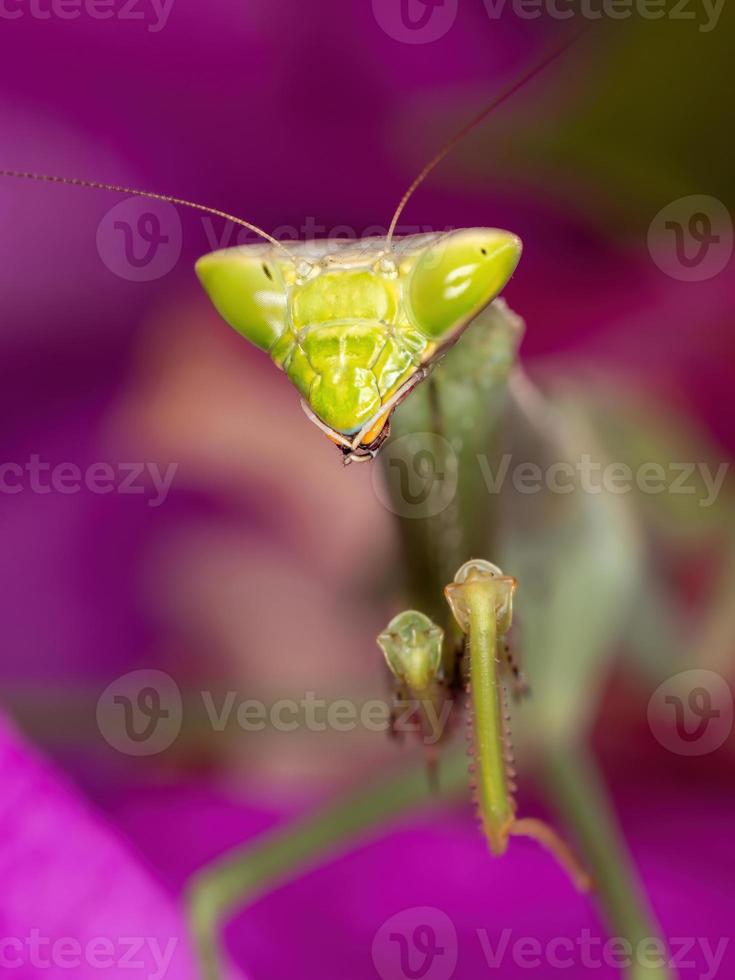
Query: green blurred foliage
(629, 119)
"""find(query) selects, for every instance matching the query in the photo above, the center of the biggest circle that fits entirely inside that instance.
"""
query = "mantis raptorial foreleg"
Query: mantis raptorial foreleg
(481, 599)
(412, 646)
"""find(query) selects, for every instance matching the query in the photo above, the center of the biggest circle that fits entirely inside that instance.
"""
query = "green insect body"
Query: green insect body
(356, 325)
(412, 645)
(481, 598)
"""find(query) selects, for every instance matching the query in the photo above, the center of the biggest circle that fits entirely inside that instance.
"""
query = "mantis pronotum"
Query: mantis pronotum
(356, 326)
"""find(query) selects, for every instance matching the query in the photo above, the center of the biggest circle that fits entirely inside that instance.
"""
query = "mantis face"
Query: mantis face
(356, 325)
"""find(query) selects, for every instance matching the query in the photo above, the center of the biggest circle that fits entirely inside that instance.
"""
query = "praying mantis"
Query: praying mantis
(356, 327)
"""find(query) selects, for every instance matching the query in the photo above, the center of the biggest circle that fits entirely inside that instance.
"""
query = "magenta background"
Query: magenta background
(277, 112)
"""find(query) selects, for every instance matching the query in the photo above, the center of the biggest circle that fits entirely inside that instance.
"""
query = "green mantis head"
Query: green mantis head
(356, 325)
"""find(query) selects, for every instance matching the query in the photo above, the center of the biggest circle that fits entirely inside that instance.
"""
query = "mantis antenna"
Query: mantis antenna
(530, 73)
(75, 182)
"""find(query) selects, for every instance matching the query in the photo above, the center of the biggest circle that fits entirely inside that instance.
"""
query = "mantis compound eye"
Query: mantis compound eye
(248, 291)
(457, 276)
